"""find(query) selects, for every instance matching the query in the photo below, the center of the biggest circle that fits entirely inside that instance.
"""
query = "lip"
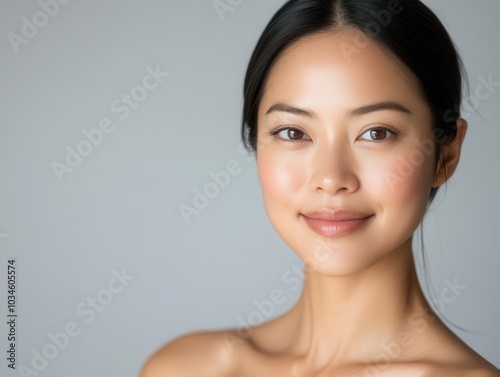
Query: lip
(336, 223)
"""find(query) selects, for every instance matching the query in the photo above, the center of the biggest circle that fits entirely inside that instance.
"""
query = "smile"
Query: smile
(336, 224)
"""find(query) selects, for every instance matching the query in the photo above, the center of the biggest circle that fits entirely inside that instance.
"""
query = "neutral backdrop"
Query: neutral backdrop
(116, 210)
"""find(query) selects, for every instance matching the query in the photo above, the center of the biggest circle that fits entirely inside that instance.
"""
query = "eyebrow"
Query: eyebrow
(386, 105)
(289, 109)
(390, 105)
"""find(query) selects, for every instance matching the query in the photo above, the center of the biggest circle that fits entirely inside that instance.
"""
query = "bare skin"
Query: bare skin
(362, 311)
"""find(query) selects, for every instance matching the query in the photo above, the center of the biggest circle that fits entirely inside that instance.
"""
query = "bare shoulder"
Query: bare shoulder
(487, 373)
(208, 354)
(481, 372)
(443, 353)
(471, 372)
(477, 368)
(435, 369)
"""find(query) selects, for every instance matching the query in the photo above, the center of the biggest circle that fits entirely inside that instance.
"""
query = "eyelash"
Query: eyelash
(391, 130)
(275, 131)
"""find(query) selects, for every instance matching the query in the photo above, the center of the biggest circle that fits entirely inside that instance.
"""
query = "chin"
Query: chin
(342, 264)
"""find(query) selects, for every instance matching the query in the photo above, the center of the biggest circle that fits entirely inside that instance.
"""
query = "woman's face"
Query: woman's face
(344, 152)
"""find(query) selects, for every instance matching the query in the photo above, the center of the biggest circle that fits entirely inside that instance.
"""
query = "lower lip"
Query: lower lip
(329, 228)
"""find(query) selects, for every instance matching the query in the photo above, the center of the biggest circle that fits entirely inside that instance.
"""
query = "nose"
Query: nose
(333, 169)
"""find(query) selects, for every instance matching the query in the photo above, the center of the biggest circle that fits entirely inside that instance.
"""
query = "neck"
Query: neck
(348, 318)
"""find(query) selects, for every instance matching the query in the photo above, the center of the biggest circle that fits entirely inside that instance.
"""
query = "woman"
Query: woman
(352, 108)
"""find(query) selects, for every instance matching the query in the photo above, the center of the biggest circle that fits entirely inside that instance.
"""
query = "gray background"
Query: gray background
(119, 209)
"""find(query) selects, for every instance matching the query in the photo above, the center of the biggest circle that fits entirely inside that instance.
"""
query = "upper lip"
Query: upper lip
(341, 214)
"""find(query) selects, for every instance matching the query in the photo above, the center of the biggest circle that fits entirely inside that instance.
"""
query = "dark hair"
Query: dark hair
(408, 28)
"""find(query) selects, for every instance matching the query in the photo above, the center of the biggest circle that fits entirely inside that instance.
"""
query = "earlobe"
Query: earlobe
(450, 155)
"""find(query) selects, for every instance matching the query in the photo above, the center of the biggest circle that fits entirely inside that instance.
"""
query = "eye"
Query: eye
(289, 134)
(378, 134)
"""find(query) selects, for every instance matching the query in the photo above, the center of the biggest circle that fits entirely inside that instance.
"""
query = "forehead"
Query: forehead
(335, 70)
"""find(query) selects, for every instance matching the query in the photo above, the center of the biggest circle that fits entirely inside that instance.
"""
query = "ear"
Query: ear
(450, 155)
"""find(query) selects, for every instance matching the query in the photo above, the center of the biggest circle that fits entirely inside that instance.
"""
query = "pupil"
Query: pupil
(294, 134)
(375, 134)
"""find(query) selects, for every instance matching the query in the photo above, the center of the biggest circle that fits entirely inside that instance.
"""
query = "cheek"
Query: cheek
(282, 177)
(406, 177)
